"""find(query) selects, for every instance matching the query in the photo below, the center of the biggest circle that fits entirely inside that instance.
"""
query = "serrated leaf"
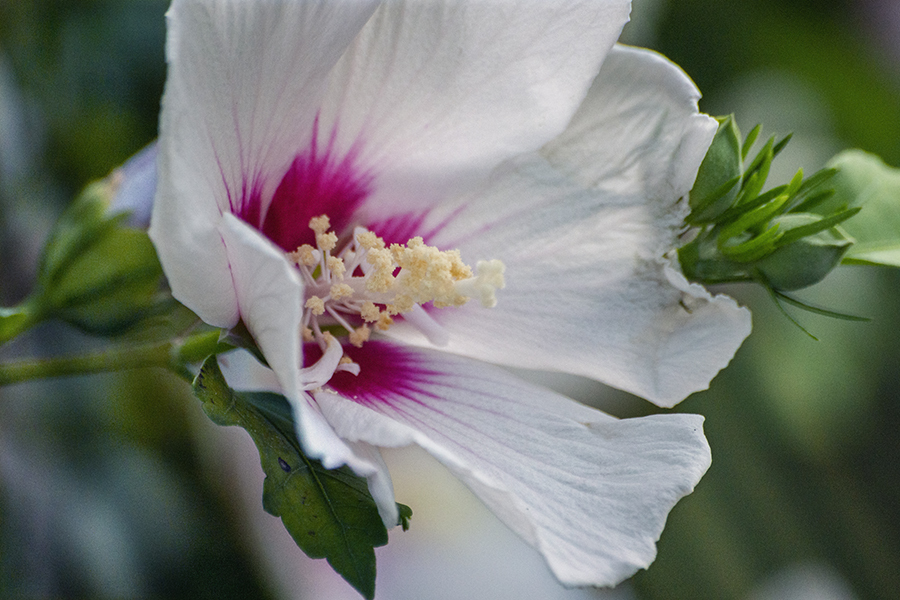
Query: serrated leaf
(864, 180)
(329, 513)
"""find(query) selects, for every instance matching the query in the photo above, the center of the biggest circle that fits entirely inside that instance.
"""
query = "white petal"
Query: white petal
(589, 491)
(321, 371)
(638, 130)
(269, 293)
(380, 485)
(435, 94)
(588, 289)
(244, 80)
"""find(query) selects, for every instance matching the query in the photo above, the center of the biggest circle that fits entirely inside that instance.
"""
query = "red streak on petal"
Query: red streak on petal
(318, 182)
(389, 375)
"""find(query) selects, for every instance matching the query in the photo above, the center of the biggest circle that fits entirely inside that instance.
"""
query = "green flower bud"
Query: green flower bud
(716, 186)
(807, 260)
(95, 273)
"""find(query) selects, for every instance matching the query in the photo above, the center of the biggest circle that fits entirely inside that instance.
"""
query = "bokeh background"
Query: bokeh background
(116, 486)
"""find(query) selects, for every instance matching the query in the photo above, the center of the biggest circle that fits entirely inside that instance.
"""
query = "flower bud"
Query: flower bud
(716, 186)
(96, 273)
(805, 261)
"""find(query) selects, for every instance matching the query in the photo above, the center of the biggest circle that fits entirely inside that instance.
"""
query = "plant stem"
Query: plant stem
(173, 355)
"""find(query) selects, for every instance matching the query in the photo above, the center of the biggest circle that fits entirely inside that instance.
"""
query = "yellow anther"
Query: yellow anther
(359, 336)
(316, 305)
(369, 312)
(345, 360)
(401, 304)
(336, 266)
(327, 241)
(429, 274)
(384, 322)
(381, 279)
(340, 290)
(305, 255)
(370, 241)
(397, 278)
(320, 224)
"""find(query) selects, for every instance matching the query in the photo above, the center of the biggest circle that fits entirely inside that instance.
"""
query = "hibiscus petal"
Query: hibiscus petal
(269, 293)
(379, 482)
(638, 131)
(589, 491)
(435, 94)
(243, 81)
(583, 228)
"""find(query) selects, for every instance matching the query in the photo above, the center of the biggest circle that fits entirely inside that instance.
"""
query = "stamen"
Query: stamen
(488, 279)
(340, 290)
(336, 266)
(393, 281)
(316, 305)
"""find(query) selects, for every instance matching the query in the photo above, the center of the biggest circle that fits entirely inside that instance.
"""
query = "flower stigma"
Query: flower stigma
(367, 283)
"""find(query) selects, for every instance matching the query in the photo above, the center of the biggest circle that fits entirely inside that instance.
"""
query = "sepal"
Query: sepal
(772, 238)
(95, 272)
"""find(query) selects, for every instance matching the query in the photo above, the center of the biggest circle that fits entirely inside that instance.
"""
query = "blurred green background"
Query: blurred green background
(105, 482)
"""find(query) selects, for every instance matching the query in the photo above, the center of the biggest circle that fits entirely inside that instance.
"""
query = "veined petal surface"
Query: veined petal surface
(583, 227)
(269, 293)
(590, 492)
(243, 86)
(435, 94)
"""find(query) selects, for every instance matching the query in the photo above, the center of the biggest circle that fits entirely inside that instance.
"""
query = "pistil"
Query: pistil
(368, 283)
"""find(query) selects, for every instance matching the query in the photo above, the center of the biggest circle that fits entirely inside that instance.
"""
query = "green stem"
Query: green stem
(174, 355)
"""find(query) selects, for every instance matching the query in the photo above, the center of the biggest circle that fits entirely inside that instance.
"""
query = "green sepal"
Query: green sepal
(811, 194)
(715, 187)
(756, 174)
(329, 513)
(754, 248)
(806, 260)
(82, 221)
(18, 319)
(405, 516)
(751, 138)
(97, 274)
(765, 236)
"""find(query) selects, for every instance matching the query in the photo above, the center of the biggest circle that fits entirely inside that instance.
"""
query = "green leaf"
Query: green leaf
(864, 180)
(329, 513)
(405, 516)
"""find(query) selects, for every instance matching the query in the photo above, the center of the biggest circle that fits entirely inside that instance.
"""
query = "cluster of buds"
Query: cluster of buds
(779, 238)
